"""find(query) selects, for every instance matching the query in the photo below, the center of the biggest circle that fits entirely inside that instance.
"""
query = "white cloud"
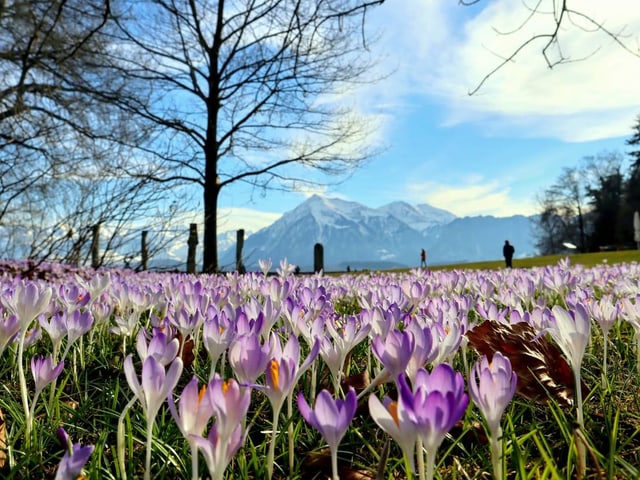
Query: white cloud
(229, 219)
(234, 218)
(444, 50)
(308, 190)
(474, 196)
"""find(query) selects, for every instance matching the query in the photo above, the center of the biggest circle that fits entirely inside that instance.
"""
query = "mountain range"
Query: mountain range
(359, 237)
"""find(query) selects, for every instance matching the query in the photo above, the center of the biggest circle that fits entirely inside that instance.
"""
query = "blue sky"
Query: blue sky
(493, 152)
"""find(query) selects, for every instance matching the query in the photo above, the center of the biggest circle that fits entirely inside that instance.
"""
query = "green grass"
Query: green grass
(538, 437)
(585, 259)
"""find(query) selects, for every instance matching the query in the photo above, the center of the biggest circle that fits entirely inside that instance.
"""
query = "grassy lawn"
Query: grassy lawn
(586, 259)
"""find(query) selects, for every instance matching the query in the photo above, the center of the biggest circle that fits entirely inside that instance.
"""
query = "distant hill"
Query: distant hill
(391, 236)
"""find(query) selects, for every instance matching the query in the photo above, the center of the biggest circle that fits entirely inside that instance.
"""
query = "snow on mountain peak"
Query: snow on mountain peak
(386, 237)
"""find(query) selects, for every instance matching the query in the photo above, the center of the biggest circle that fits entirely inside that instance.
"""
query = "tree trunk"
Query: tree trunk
(211, 181)
(210, 247)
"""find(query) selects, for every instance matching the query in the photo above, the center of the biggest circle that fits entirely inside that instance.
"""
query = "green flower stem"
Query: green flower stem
(431, 464)
(334, 463)
(420, 459)
(495, 444)
(580, 446)
(147, 463)
(290, 433)
(637, 339)
(314, 381)
(120, 448)
(407, 468)
(605, 382)
(272, 445)
(52, 392)
(23, 389)
(194, 460)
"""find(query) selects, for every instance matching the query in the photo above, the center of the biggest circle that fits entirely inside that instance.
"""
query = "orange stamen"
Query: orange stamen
(203, 390)
(274, 371)
(392, 408)
(225, 386)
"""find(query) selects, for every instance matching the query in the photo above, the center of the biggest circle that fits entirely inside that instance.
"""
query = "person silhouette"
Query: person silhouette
(423, 258)
(507, 251)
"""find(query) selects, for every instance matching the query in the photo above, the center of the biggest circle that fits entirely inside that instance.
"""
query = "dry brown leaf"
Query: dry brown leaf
(3, 441)
(321, 462)
(187, 350)
(542, 370)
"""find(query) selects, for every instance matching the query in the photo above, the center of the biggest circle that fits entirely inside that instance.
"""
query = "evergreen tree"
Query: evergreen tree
(632, 185)
(606, 200)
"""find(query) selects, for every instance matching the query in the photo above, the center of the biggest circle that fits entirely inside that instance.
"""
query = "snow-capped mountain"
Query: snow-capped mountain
(391, 236)
(418, 217)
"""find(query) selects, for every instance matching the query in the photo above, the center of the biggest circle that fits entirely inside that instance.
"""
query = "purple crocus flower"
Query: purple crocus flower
(9, 328)
(394, 352)
(44, 372)
(248, 358)
(218, 450)
(163, 348)
(155, 384)
(217, 334)
(434, 405)
(424, 350)
(331, 417)
(265, 265)
(282, 374)
(28, 301)
(491, 387)
(153, 389)
(32, 336)
(78, 323)
(403, 431)
(56, 328)
(284, 369)
(230, 403)
(73, 296)
(343, 334)
(186, 321)
(74, 459)
(447, 339)
(571, 330)
(194, 409)
(192, 415)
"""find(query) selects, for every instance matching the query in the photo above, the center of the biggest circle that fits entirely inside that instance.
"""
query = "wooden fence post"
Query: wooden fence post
(144, 252)
(318, 258)
(192, 243)
(95, 246)
(239, 245)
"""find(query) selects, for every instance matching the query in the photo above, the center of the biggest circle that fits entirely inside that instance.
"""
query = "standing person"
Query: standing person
(423, 258)
(508, 252)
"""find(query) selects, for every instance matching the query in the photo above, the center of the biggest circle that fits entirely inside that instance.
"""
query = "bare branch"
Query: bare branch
(562, 14)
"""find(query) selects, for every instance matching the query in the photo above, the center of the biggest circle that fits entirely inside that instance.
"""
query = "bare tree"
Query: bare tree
(244, 91)
(584, 205)
(53, 220)
(562, 213)
(59, 134)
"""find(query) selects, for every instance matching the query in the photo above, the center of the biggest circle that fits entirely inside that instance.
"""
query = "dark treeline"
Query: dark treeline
(592, 205)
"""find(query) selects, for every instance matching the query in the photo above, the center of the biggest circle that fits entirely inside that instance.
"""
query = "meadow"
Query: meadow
(465, 372)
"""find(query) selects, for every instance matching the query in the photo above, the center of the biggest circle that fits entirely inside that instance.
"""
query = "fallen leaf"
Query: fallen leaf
(187, 350)
(3, 441)
(542, 370)
(321, 462)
